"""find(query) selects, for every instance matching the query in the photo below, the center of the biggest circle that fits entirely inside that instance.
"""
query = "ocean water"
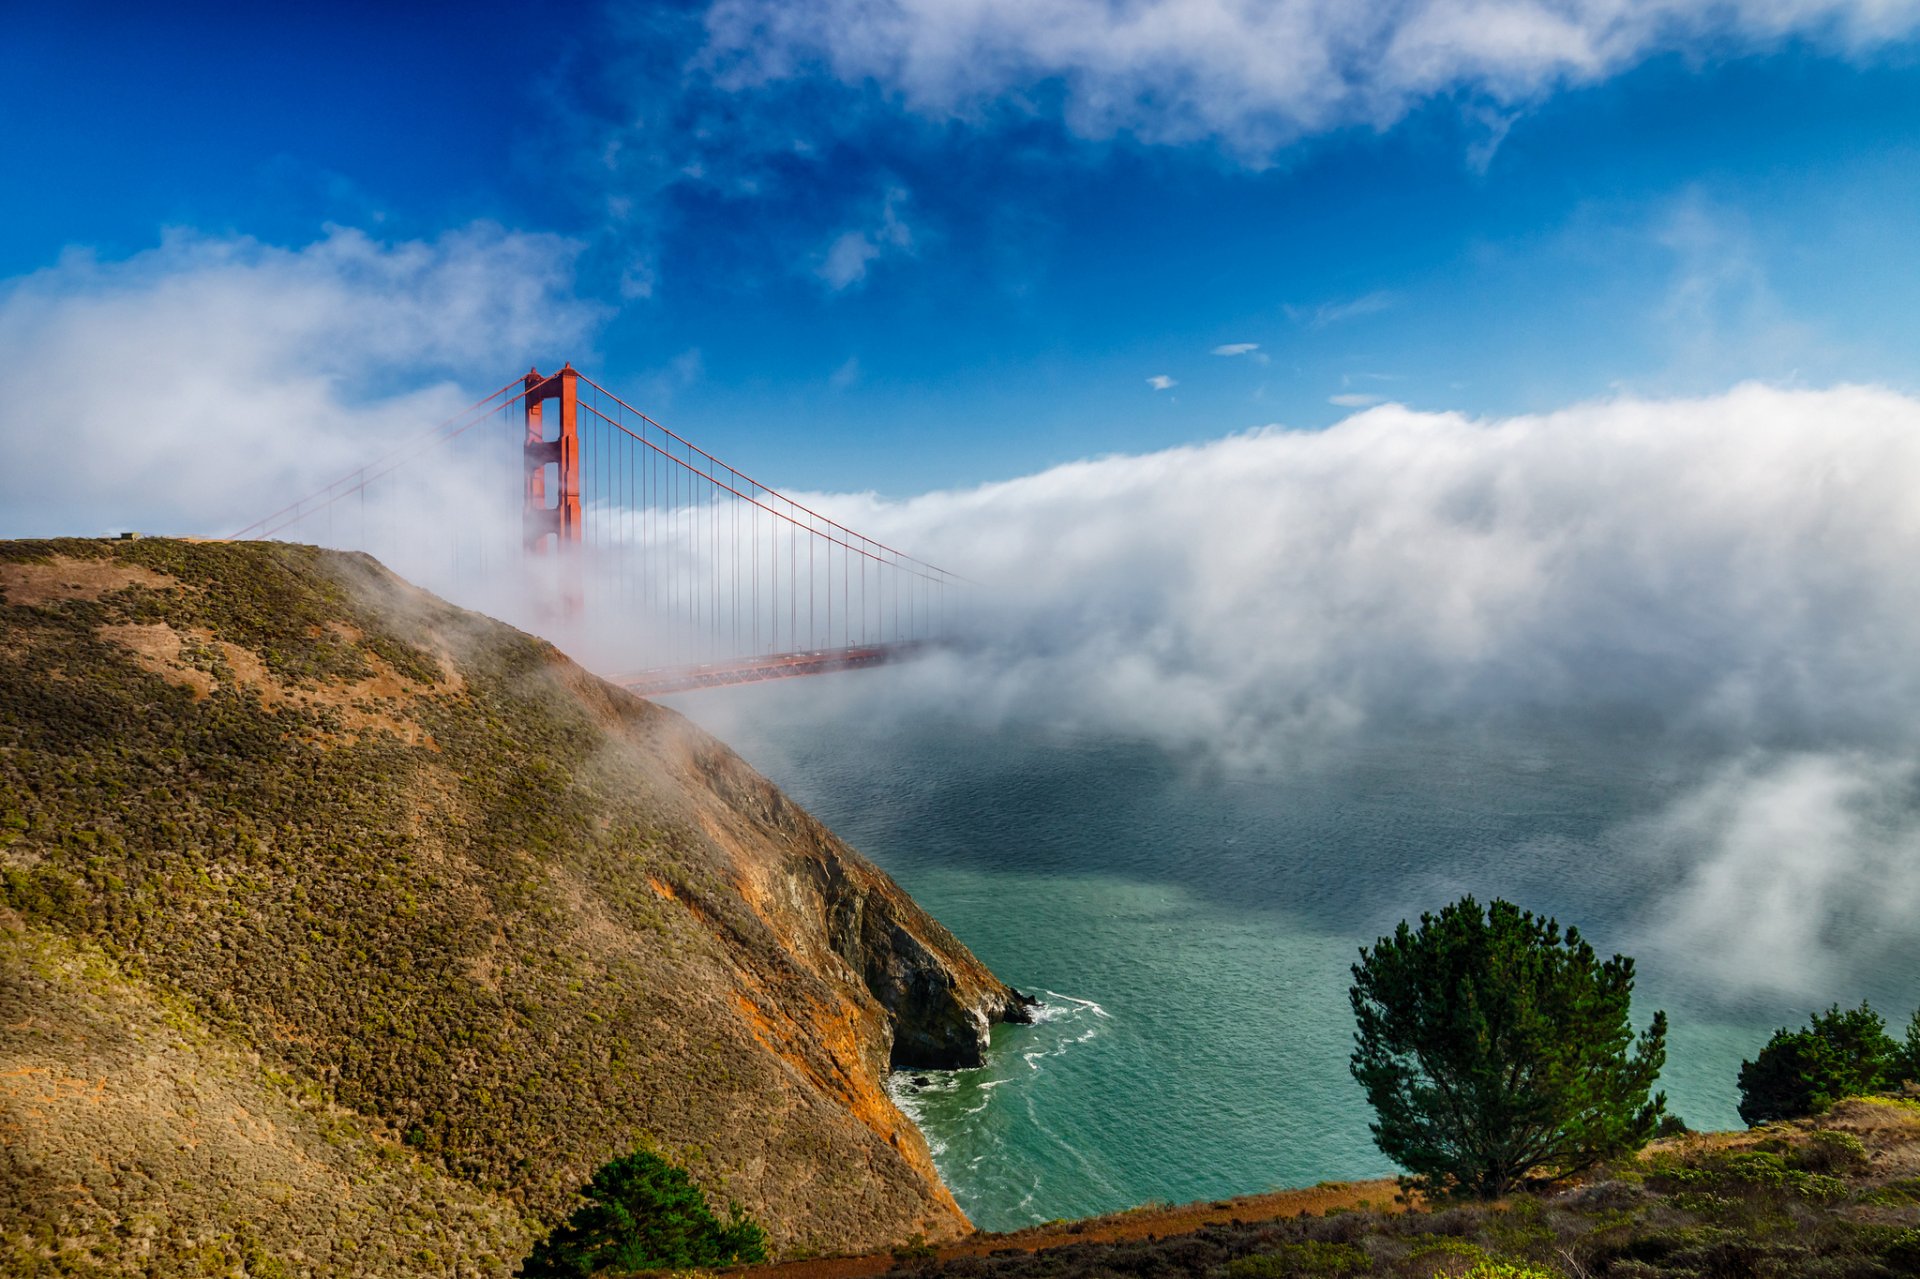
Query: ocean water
(1190, 928)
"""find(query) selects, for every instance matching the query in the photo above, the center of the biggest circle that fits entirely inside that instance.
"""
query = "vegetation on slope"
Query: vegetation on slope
(1833, 1198)
(169, 1113)
(508, 922)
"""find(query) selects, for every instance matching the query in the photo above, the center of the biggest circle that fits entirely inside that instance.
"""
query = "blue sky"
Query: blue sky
(950, 244)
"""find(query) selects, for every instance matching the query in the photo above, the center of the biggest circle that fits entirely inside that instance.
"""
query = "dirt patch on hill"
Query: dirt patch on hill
(61, 578)
(1151, 1222)
(189, 660)
(157, 649)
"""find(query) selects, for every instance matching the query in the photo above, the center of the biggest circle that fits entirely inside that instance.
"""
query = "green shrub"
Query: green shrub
(1309, 1257)
(1671, 1126)
(1738, 1174)
(1830, 1152)
(1906, 1062)
(1902, 1252)
(915, 1249)
(1442, 1255)
(1798, 1073)
(643, 1213)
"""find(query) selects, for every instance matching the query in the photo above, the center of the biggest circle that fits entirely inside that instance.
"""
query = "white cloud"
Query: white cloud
(193, 382)
(1161, 382)
(1319, 317)
(846, 375)
(1354, 400)
(1738, 563)
(1252, 75)
(846, 260)
(1236, 348)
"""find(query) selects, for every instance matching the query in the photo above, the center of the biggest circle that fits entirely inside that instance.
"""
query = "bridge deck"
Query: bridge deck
(751, 670)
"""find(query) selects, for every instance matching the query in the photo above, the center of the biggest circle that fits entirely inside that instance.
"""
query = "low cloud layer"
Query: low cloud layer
(1253, 76)
(1786, 874)
(1731, 567)
(1724, 582)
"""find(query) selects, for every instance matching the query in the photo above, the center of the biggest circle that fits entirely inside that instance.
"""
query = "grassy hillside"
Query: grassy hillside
(323, 894)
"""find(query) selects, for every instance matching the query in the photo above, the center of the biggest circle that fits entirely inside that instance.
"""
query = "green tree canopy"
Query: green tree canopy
(1491, 1047)
(643, 1213)
(1840, 1053)
(1908, 1066)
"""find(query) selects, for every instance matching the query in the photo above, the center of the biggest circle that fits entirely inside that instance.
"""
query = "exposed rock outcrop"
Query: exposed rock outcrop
(942, 1001)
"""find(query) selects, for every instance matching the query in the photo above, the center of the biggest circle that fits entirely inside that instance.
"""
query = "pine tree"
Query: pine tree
(1841, 1053)
(643, 1213)
(1492, 1047)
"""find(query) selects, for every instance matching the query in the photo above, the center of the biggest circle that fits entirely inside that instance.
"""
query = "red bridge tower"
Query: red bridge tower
(559, 518)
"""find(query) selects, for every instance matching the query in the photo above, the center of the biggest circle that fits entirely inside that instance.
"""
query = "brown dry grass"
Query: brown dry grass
(61, 578)
(1152, 1222)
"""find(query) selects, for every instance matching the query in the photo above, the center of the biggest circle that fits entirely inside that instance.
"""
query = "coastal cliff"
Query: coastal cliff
(346, 930)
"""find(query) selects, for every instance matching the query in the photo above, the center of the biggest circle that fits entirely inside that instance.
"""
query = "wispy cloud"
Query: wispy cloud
(1720, 312)
(846, 375)
(846, 260)
(1787, 863)
(1355, 400)
(1236, 348)
(1161, 382)
(1252, 77)
(1328, 313)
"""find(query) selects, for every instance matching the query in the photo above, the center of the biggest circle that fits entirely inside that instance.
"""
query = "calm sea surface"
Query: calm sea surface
(1190, 930)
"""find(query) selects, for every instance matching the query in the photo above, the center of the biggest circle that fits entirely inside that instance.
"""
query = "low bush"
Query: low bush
(1309, 1257)
(1830, 1152)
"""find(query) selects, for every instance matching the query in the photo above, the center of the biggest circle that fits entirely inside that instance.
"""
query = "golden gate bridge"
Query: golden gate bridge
(715, 578)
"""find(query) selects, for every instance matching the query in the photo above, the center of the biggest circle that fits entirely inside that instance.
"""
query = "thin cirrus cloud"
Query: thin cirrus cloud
(1355, 400)
(1236, 348)
(1330, 313)
(851, 253)
(1161, 382)
(1250, 76)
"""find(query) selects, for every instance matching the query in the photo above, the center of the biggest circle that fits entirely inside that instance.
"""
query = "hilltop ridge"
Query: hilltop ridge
(344, 930)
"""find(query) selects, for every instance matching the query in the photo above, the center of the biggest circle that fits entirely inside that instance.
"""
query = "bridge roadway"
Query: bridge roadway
(662, 680)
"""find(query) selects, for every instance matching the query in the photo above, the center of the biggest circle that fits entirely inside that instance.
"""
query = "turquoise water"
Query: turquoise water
(1190, 929)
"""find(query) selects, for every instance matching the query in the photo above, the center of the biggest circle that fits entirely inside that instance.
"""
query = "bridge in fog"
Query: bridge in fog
(709, 576)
